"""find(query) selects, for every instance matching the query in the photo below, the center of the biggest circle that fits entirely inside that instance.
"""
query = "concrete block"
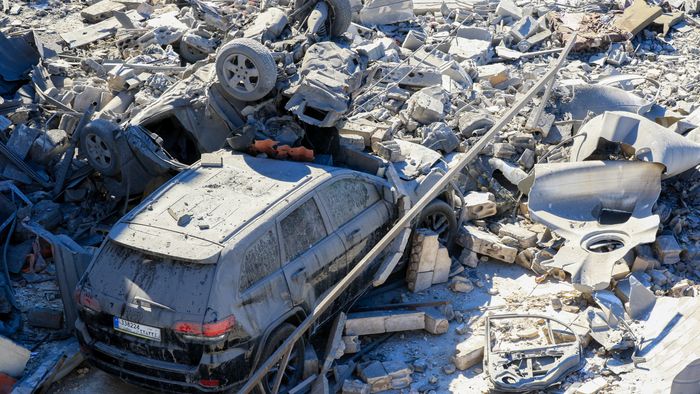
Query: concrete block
(352, 344)
(508, 8)
(637, 16)
(592, 386)
(494, 73)
(443, 262)
(469, 352)
(667, 249)
(365, 324)
(436, 323)
(461, 284)
(13, 358)
(481, 242)
(479, 205)
(46, 318)
(355, 387)
(374, 374)
(525, 237)
(405, 321)
(378, 322)
(101, 10)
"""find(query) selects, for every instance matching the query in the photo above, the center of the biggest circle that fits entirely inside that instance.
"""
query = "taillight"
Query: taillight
(86, 300)
(207, 331)
(209, 382)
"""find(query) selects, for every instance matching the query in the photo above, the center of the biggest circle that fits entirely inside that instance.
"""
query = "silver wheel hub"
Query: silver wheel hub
(241, 73)
(98, 151)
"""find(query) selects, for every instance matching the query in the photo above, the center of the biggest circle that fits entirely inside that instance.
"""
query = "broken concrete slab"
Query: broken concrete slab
(637, 17)
(482, 242)
(13, 358)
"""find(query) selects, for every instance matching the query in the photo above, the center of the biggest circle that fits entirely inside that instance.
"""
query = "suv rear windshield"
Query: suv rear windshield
(124, 273)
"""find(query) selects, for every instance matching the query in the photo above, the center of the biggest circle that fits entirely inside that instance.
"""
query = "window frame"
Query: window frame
(377, 183)
(288, 211)
(257, 236)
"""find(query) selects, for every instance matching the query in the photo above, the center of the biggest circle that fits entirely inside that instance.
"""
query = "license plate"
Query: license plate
(136, 329)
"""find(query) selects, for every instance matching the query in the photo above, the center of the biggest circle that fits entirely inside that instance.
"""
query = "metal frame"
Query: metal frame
(255, 380)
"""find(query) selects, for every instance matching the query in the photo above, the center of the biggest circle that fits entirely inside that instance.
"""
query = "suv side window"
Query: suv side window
(346, 198)
(260, 260)
(302, 228)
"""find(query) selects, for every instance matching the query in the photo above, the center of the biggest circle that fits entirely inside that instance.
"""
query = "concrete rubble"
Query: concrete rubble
(575, 232)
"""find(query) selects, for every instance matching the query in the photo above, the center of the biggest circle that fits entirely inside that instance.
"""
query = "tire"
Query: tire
(440, 217)
(98, 145)
(191, 54)
(341, 15)
(296, 359)
(246, 69)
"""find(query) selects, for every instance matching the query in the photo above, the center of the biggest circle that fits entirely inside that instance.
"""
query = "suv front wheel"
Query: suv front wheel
(439, 217)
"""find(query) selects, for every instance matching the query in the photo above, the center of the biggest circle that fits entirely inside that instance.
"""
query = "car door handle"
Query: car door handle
(351, 236)
(298, 272)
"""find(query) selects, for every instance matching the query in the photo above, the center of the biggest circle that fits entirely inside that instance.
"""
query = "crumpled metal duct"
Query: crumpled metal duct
(602, 209)
(647, 140)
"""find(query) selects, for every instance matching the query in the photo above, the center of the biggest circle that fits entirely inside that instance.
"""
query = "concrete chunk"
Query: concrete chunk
(469, 352)
(525, 237)
(479, 205)
(637, 17)
(13, 358)
(667, 249)
(481, 242)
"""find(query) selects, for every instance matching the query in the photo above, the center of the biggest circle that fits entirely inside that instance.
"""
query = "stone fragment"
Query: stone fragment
(13, 358)
(427, 105)
(667, 249)
(481, 242)
(494, 73)
(374, 374)
(461, 284)
(525, 237)
(469, 352)
(524, 28)
(469, 258)
(592, 386)
(479, 205)
(637, 17)
(355, 387)
(352, 343)
(101, 10)
(508, 8)
(45, 318)
(441, 272)
(436, 323)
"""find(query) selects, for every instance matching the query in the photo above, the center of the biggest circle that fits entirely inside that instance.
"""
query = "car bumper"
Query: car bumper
(159, 375)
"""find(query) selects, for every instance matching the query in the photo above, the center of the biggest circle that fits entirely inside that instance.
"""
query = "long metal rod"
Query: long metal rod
(405, 221)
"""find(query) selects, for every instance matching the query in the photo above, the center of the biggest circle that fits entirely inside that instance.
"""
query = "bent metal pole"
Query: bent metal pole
(404, 222)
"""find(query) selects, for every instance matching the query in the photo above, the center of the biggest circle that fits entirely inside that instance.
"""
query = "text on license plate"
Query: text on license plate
(139, 330)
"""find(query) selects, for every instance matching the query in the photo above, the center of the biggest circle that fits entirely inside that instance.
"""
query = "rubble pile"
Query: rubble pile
(593, 188)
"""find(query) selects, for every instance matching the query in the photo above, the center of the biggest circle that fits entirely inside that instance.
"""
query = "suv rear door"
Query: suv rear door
(357, 210)
(263, 289)
(314, 257)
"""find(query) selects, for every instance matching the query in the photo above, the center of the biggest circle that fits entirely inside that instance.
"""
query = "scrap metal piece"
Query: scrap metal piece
(330, 74)
(602, 208)
(513, 364)
(18, 56)
(647, 140)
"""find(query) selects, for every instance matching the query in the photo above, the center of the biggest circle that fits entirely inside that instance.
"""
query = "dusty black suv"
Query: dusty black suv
(204, 279)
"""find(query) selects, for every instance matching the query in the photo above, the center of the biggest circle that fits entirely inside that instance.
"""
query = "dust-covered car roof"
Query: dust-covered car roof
(193, 215)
